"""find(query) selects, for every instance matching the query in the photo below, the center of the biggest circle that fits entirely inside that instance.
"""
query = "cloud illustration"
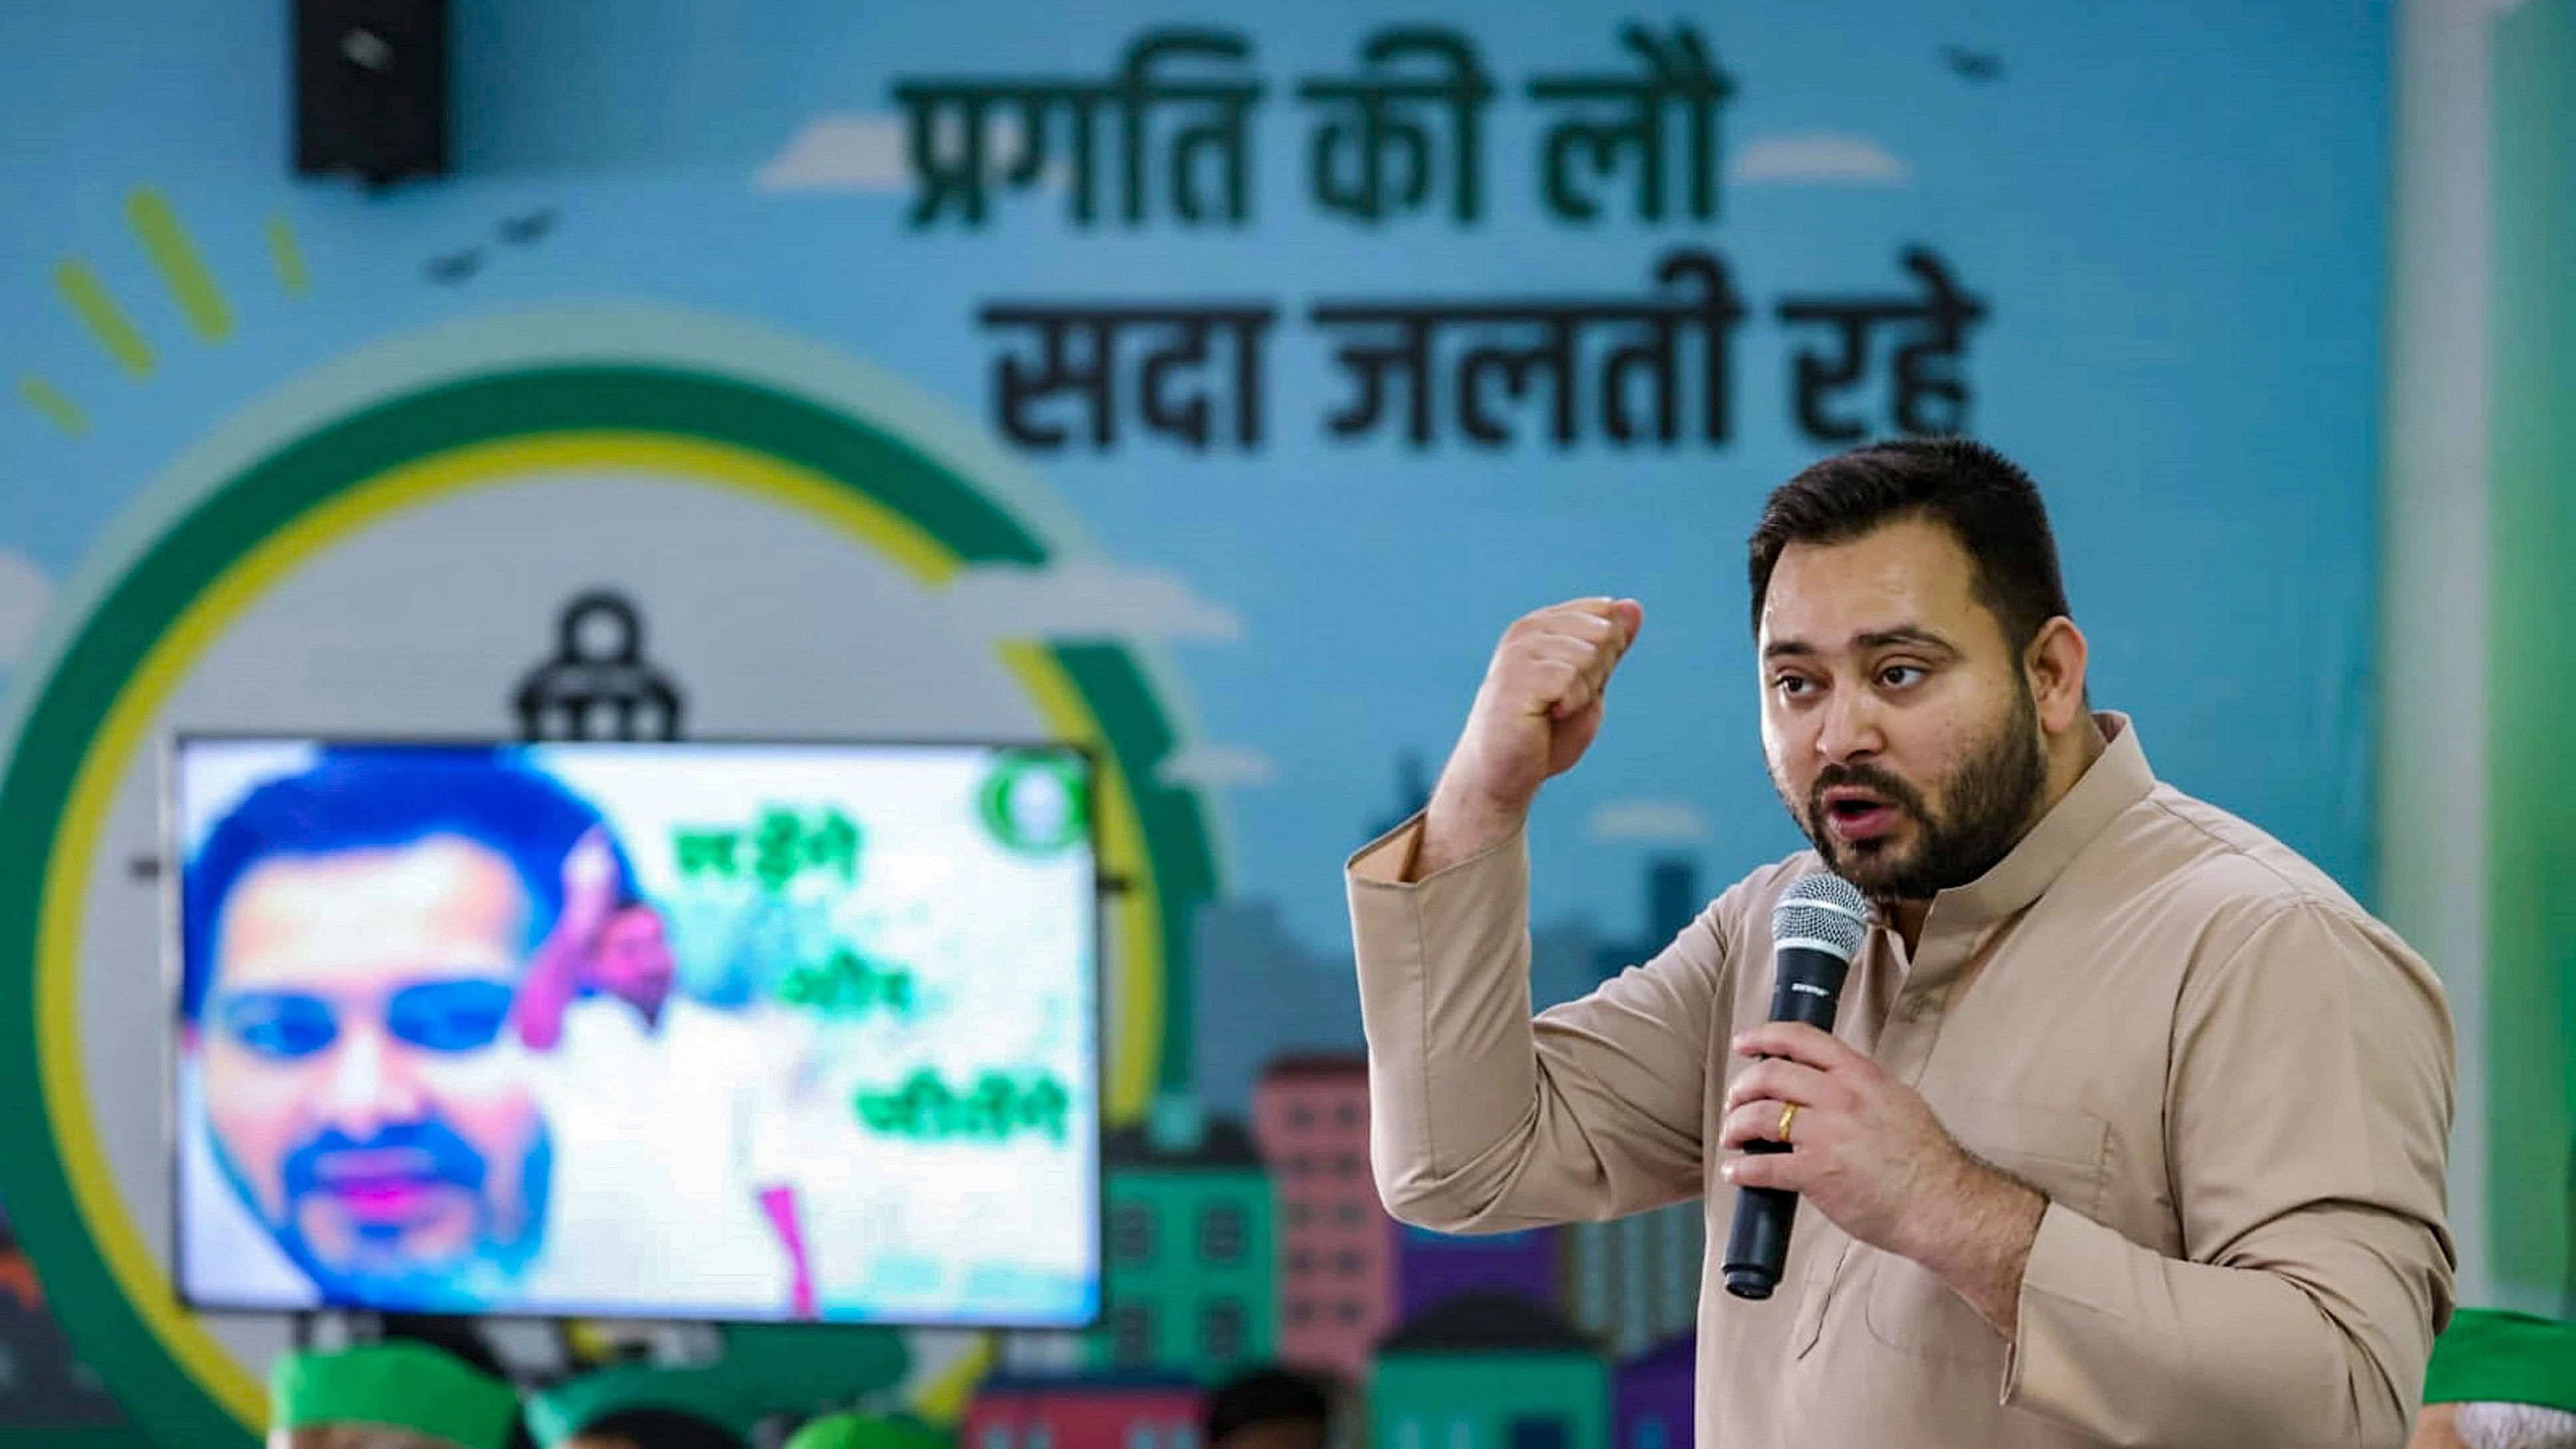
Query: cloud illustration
(1816, 158)
(25, 594)
(1217, 767)
(1648, 822)
(868, 153)
(1088, 602)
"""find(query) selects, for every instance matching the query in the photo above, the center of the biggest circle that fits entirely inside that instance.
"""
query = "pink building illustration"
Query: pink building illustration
(1336, 1243)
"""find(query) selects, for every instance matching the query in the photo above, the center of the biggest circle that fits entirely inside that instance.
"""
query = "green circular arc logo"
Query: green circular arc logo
(1035, 803)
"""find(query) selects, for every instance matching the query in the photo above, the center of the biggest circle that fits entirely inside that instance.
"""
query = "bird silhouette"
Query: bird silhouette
(454, 267)
(527, 230)
(1978, 67)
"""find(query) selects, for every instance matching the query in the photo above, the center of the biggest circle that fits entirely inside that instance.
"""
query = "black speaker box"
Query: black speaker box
(371, 88)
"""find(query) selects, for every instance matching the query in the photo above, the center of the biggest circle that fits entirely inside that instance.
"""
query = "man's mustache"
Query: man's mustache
(1863, 777)
(433, 1149)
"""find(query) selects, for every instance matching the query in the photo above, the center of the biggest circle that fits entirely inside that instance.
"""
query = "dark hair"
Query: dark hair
(659, 1428)
(362, 797)
(1982, 497)
(1266, 1396)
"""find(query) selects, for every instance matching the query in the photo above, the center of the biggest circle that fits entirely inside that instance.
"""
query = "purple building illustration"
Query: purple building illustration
(1651, 1396)
(1431, 1268)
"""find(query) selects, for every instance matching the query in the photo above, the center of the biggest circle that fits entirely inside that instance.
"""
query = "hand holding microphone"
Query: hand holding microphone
(1816, 930)
(1860, 1145)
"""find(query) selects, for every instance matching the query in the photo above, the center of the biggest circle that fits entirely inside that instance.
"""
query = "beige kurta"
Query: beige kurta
(2234, 1086)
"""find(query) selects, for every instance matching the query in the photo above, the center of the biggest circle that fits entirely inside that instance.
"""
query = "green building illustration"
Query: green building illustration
(1190, 1248)
(1489, 1371)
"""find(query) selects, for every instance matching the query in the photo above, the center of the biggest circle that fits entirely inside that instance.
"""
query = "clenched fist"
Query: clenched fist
(1538, 710)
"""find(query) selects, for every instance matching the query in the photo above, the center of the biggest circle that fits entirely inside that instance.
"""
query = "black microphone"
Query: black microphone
(1816, 929)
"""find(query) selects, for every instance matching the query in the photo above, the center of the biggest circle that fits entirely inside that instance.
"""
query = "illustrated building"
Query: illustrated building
(1489, 1371)
(1412, 794)
(1634, 1282)
(1672, 902)
(1112, 1410)
(1191, 1235)
(1337, 1259)
(1432, 1268)
(1652, 1393)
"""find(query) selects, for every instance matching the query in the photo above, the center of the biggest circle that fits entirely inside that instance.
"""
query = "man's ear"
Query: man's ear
(2054, 664)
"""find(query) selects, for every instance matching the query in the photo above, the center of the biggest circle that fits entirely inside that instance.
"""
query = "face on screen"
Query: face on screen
(359, 1083)
(633, 957)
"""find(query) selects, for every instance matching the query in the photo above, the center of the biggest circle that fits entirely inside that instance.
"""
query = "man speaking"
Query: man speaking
(2132, 1126)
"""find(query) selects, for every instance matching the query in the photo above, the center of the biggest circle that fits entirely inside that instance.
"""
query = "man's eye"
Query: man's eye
(450, 1016)
(280, 1025)
(1790, 685)
(1900, 676)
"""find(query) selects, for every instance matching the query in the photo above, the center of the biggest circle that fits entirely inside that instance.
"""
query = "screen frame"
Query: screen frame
(172, 872)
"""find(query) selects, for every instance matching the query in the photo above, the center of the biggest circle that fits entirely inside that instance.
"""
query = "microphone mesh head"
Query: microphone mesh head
(1825, 909)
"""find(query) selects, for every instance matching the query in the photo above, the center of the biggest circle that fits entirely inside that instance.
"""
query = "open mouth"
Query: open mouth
(1858, 815)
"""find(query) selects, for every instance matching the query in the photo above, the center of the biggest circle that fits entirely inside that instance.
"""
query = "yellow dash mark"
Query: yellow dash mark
(290, 260)
(175, 258)
(100, 314)
(65, 413)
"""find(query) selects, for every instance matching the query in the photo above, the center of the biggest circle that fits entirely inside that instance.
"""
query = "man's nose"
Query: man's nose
(371, 1084)
(1850, 728)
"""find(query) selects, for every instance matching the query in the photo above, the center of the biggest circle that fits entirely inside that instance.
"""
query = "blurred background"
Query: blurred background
(1210, 385)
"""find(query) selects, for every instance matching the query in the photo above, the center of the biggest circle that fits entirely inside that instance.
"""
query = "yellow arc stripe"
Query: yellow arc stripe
(290, 259)
(175, 257)
(124, 732)
(64, 413)
(100, 314)
(943, 1400)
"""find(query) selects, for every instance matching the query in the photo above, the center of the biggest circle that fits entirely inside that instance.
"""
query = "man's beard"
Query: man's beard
(502, 1252)
(1990, 802)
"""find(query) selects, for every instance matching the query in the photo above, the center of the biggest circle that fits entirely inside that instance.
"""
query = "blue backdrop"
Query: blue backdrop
(2168, 218)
